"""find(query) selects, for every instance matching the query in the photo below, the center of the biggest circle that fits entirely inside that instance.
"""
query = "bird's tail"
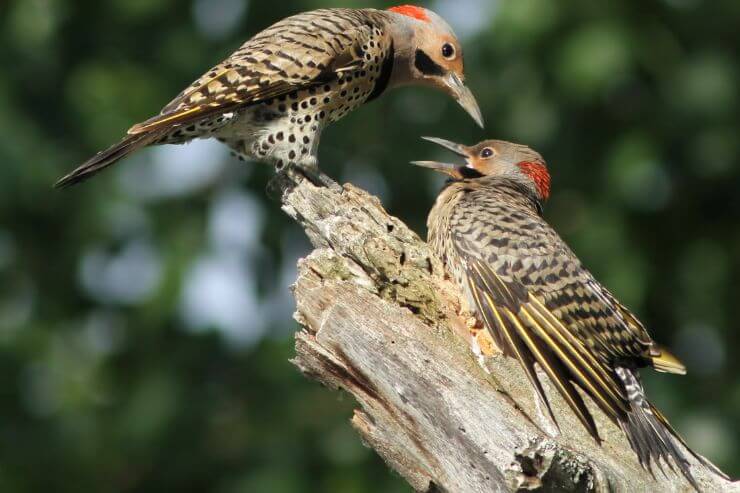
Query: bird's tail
(105, 158)
(651, 435)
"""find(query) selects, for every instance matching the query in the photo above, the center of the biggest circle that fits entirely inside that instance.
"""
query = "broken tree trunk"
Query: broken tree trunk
(381, 322)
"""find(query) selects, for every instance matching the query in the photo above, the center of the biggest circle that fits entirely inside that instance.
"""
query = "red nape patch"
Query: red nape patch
(540, 176)
(411, 11)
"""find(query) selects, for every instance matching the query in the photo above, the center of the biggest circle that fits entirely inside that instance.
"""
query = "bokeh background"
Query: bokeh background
(145, 317)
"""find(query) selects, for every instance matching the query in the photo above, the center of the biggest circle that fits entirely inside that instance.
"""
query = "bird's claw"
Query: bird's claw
(297, 172)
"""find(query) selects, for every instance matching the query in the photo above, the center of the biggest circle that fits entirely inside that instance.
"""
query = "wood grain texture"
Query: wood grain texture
(380, 322)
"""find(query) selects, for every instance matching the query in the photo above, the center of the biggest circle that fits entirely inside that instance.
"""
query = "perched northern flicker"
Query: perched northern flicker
(538, 302)
(270, 100)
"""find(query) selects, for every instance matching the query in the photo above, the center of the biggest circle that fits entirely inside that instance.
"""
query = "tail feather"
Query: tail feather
(651, 436)
(651, 441)
(110, 156)
(664, 361)
(662, 419)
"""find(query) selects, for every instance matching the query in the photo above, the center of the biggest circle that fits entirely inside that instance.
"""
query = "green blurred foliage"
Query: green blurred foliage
(111, 377)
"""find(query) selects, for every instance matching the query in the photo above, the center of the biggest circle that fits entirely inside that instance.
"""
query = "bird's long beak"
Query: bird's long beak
(464, 97)
(454, 170)
(458, 149)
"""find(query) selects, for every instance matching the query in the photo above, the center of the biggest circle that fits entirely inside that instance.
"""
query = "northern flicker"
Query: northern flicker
(270, 100)
(539, 303)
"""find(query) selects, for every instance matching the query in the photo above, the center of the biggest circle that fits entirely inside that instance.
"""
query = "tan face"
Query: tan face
(485, 158)
(437, 61)
(438, 56)
(492, 157)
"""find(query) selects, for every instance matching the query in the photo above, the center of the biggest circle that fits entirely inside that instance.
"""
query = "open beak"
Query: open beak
(454, 170)
(464, 98)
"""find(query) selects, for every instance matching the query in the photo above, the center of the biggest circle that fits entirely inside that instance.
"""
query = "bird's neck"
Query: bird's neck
(500, 188)
(402, 34)
(516, 190)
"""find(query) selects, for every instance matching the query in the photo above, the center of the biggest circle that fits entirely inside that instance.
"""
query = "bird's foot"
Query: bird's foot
(292, 174)
(317, 177)
(311, 173)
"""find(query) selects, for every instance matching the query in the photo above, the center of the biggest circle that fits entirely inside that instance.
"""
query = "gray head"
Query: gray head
(428, 53)
(495, 158)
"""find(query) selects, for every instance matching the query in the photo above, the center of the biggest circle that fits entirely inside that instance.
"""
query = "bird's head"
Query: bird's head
(495, 158)
(427, 52)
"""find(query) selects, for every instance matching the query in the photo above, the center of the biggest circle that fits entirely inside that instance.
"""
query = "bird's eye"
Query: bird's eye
(448, 51)
(486, 153)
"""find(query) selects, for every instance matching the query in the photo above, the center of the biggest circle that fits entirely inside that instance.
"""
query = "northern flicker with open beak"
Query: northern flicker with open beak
(538, 302)
(270, 100)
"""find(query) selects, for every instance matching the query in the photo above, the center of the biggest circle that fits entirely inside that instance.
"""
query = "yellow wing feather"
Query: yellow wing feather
(532, 332)
(564, 386)
(512, 346)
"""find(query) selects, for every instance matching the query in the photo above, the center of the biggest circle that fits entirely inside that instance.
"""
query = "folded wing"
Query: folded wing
(527, 330)
(303, 50)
